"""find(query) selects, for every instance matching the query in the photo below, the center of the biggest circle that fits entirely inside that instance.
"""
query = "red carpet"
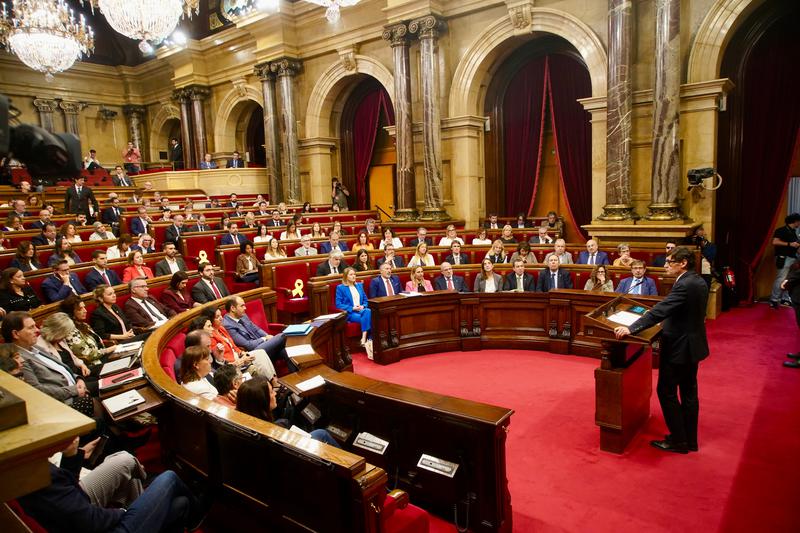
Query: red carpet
(746, 476)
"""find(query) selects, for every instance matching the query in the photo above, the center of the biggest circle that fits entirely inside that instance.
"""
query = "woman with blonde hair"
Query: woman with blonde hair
(599, 281)
(421, 257)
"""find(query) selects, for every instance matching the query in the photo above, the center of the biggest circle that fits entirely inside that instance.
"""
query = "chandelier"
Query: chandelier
(44, 35)
(332, 13)
(145, 20)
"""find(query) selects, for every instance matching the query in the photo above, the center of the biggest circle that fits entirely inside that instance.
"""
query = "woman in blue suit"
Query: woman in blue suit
(350, 297)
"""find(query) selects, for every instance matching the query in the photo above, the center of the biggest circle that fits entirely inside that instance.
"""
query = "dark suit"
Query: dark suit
(546, 283)
(415, 241)
(235, 163)
(77, 204)
(600, 258)
(324, 268)
(139, 318)
(202, 293)
(682, 316)
(377, 287)
(528, 283)
(398, 262)
(93, 278)
(54, 289)
(173, 234)
(162, 268)
(440, 284)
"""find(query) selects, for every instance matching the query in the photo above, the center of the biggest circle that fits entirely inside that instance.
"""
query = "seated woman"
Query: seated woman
(351, 298)
(363, 261)
(25, 258)
(263, 234)
(363, 242)
(624, 259)
(524, 254)
(291, 232)
(598, 281)
(122, 249)
(52, 342)
(389, 238)
(69, 232)
(100, 232)
(15, 293)
(108, 320)
(247, 264)
(418, 283)
(63, 250)
(136, 268)
(497, 253)
(274, 251)
(481, 238)
(177, 296)
(83, 342)
(257, 360)
(488, 280)
(421, 257)
(256, 397)
(507, 235)
(195, 366)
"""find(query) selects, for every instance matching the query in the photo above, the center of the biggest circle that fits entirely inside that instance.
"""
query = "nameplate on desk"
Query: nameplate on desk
(311, 383)
(369, 442)
(439, 466)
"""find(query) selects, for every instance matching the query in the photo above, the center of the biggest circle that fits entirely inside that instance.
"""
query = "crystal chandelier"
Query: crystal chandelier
(145, 20)
(332, 13)
(44, 35)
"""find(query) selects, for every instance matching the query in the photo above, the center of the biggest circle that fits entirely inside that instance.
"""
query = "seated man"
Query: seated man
(100, 275)
(638, 283)
(422, 235)
(661, 260)
(386, 284)
(560, 251)
(541, 237)
(209, 287)
(592, 256)
(62, 283)
(389, 257)
(249, 336)
(333, 243)
(334, 265)
(232, 237)
(171, 263)
(519, 280)
(305, 248)
(448, 281)
(144, 312)
(456, 257)
(553, 277)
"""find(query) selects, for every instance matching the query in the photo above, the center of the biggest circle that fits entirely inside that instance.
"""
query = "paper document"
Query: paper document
(624, 318)
(312, 383)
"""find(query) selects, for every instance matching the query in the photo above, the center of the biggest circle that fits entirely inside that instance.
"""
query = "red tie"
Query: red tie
(389, 289)
(450, 284)
(216, 290)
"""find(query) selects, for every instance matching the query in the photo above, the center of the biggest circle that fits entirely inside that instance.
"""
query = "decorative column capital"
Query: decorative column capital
(285, 67)
(397, 34)
(44, 105)
(198, 92)
(427, 27)
(72, 108)
(264, 72)
(132, 110)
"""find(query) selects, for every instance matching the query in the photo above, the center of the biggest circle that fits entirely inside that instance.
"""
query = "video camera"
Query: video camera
(45, 154)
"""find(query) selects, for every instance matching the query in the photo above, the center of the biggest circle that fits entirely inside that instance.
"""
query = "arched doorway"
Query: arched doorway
(757, 142)
(538, 149)
(254, 138)
(368, 156)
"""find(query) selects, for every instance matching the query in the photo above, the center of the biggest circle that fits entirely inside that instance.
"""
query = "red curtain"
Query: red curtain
(573, 134)
(365, 130)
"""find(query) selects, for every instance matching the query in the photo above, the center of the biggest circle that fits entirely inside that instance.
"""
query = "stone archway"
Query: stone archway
(716, 30)
(232, 111)
(160, 128)
(468, 89)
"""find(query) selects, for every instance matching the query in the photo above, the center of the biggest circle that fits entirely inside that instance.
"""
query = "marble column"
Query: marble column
(45, 108)
(398, 36)
(618, 135)
(286, 69)
(271, 132)
(198, 94)
(666, 169)
(428, 29)
(135, 116)
(182, 96)
(71, 112)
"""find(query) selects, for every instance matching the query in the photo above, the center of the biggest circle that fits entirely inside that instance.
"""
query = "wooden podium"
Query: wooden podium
(624, 381)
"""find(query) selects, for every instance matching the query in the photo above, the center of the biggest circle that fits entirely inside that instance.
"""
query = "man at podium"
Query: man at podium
(683, 346)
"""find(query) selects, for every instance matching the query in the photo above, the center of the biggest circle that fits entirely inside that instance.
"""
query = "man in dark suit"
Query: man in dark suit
(448, 281)
(235, 162)
(334, 265)
(682, 314)
(112, 215)
(47, 237)
(100, 274)
(142, 311)
(120, 179)
(333, 244)
(209, 287)
(173, 232)
(553, 277)
(79, 198)
(171, 263)
(386, 284)
(519, 280)
(389, 257)
(661, 260)
(62, 283)
(456, 257)
(639, 284)
(140, 224)
(422, 235)
(176, 154)
(592, 256)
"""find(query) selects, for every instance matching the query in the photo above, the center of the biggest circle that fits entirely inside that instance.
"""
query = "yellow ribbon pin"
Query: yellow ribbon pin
(298, 288)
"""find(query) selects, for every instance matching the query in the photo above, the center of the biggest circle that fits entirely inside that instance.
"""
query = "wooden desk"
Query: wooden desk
(24, 449)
